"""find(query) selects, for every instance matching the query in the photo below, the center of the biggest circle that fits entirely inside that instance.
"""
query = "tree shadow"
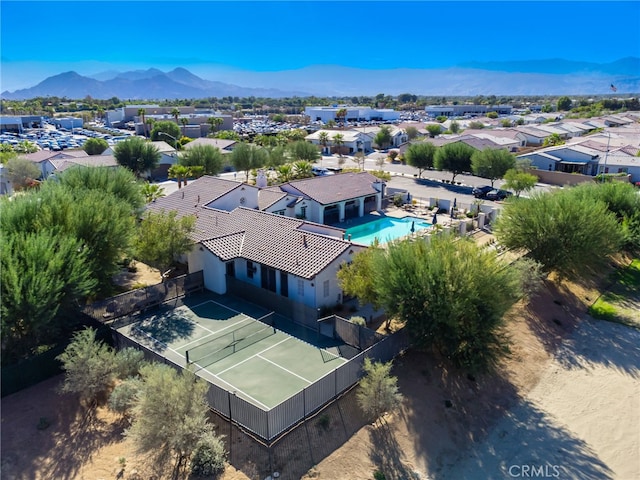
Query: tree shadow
(387, 454)
(599, 342)
(528, 440)
(460, 189)
(162, 329)
(70, 434)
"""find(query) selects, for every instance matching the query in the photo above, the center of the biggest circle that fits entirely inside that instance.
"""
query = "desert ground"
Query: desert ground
(567, 401)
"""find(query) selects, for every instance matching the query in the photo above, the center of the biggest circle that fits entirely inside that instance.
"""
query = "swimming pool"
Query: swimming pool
(385, 229)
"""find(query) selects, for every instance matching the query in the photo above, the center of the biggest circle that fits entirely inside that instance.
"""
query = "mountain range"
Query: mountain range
(538, 77)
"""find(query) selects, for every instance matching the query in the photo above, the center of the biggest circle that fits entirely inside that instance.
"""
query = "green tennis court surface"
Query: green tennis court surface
(226, 345)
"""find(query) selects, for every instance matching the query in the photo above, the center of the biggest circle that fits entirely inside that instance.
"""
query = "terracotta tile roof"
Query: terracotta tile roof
(223, 145)
(330, 189)
(43, 155)
(269, 196)
(279, 242)
(200, 192)
(62, 164)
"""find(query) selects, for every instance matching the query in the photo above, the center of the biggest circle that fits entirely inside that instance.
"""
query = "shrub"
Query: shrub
(209, 457)
(357, 320)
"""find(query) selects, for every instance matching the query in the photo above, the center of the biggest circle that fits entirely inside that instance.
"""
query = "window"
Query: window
(284, 284)
(325, 287)
(231, 269)
(303, 212)
(300, 287)
(250, 269)
(279, 212)
(268, 278)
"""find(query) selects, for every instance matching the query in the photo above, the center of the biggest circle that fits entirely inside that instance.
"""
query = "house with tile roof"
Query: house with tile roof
(44, 159)
(334, 198)
(352, 141)
(565, 158)
(269, 254)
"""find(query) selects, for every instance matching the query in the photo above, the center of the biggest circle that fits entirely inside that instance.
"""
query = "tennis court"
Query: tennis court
(237, 346)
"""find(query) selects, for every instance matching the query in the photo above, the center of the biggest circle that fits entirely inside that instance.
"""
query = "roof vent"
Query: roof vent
(304, 240)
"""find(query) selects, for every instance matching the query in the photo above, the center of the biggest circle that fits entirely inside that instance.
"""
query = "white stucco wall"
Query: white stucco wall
(212, 267)
(234, 198)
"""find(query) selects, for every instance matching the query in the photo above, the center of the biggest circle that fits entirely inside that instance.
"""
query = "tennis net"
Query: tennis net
(229, 343)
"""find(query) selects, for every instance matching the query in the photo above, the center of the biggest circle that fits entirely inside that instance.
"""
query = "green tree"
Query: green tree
(165, 127)
(175, 113)
(360, 158)
(564, 104)
(323, 139)
(412, 132)
(42, 275)
(302, 169)
(21, 172)
(378, 393)
(206, 156)
(246, 157)
(89, 365)
(162, 238)
(277, 156)
(383, 137)
(141, 113)
(454, 157)
(95, 146)
(302, 150)
(137, 155)
(152, 192)
(338, 142)
(184, 122)
(434, 130)
(454, 127)
(420, 156)
(553, 140)
(214, 123)
(285, 173)
(565, 234)
(179, 172)
(493, 115)
(450, 293)
(119, 182)
(341, 115)
(227, 135)
(519, 181)
(492, 163)
(170, 414)
(25, 146)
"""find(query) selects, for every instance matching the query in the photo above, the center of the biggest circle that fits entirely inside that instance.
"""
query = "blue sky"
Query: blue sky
(44, 38)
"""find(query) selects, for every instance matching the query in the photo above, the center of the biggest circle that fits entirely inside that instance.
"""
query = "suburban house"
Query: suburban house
(43, 159)
(271, 257)
(225, 146)
(398, 135)
(565, 158)
(352, 141)
(62, 164)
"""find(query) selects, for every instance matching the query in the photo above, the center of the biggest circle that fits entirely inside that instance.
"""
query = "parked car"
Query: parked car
(480, 192)
(320, 171)
(497, 194)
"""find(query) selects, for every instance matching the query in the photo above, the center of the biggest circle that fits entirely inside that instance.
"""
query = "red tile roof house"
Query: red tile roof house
(44, 159)
(289, 264)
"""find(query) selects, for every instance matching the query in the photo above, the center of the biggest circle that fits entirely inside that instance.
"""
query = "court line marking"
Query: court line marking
(153, 339)
(285, 369)
(235, 389)
(244, 320)
(249, 358)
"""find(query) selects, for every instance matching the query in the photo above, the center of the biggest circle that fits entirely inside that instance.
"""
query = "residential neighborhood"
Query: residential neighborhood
(292, 241)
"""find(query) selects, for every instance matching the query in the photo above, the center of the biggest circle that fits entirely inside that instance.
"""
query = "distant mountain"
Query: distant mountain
(624, 66)
(537, 77)
(141, 85)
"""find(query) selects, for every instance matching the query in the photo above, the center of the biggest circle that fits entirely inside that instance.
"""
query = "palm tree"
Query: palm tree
(215, 123)
(184, 123)
(285, 172)
(338, 141)
(141, 114)
(179, 172)
(303, 169)
(175, 113)
(341, 115)
(149, 125)
(323, 138)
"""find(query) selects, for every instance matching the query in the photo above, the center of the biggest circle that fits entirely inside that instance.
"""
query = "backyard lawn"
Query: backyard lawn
(621, 303)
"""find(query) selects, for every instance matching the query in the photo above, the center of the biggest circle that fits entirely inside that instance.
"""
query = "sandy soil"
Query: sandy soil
(567, 398)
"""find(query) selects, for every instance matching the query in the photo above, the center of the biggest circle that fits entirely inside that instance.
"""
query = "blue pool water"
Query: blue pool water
(385, 229)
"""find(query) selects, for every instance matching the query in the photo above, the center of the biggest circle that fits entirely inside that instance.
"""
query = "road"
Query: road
(403, 177)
